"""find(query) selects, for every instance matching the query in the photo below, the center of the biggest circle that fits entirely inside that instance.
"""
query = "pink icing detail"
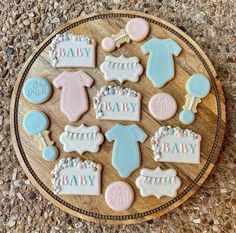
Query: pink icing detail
(121, 92)
(74, 100)
(119, 196)
(99, 167)
(108, 44)
(162, 106)
(137, 29)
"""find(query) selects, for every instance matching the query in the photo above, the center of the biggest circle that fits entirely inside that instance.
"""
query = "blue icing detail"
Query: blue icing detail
(37, 90)
(49, 153)
(35, 122)
(187, 117)
(198, 85)
(126, 154)
(160, 65)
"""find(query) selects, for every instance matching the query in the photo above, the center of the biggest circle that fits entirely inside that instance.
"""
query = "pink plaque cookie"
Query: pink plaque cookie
(119, 196)
(162, 106)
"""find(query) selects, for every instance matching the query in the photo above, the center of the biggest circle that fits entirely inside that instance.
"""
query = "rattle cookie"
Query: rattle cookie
(126, 153)
(74, 100)
(136, 29)
(37, 90)
(160, 65)
(36, 123)
(198, 86)
(158, 182)
(119, 196)
(76, 177)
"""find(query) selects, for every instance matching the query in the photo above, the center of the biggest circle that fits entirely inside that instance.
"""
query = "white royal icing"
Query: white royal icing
(81, 138)
(121, 68)
(158, 182)
(74, 177)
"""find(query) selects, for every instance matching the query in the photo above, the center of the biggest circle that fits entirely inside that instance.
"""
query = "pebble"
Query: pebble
(26, 22)
(11, 223)
(79, 225)
(197, 220)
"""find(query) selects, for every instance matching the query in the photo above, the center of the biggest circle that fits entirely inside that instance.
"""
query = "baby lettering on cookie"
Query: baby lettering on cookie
(73, 52)
(79, 180)
(119, 107)
(178, 148)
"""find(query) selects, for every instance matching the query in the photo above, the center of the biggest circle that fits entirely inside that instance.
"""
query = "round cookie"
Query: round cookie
(162, 106)
(37, 90)
(119, 196)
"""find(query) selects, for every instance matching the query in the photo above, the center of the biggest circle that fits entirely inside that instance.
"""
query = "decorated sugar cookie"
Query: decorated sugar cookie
(70, 50)
(37, 89)
(117, 103)
(36, 123)
(76, 177)
(136, 29)
(119, 196)
(126, 154)
(162, 106)
(176, 145)
(198, 86)
(81, 138)
(160, 65)
(74, 101)
(121, 68)
(158, 182)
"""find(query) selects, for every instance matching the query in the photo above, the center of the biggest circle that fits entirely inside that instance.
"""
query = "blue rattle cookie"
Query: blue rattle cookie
(198, 86)
(37, 90)
(36, 123)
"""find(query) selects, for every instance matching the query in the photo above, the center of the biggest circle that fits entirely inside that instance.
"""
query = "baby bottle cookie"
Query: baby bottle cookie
(36, 123)
(136, 29)
(160, 65)
(158, 182)
(37, 90)
(176, 145)
(71, 50)
(74, 101)
(117, 103)
(126, 153)
(121, 68)
(76, 177)
(81, 138)
(198, 86)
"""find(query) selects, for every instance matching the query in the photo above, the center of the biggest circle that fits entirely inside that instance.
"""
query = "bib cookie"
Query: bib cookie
(121, 68)
(158, 182)
(37, 90)
(160, 66)
(117, 103)
(73, 86)
(176, 145)
(74, 177)
(119, 196)
(81, 138)
(126, 153)
(36, 123)
(70, 50)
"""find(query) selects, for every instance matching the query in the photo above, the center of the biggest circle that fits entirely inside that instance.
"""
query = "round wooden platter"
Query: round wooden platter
(210, 120)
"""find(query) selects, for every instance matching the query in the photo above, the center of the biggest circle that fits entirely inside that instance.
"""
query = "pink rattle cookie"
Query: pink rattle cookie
(136, 29)
(162, 106)
(119, 196)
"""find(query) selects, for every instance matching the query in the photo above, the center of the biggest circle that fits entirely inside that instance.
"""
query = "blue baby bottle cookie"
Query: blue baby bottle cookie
(197, 86)
(36, 123)
(37, 90)
(160, 65)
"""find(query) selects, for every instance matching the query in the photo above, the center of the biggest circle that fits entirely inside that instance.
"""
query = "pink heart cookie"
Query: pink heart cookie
(119, 196)
(162, 106)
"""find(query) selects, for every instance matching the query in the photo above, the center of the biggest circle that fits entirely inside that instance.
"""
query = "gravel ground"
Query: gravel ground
(25, 23)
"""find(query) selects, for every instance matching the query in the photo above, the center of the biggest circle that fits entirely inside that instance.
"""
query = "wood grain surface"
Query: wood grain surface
(210, 120)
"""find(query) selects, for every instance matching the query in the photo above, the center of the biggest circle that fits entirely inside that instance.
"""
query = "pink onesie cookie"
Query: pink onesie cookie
(74, 100)
(119, 196)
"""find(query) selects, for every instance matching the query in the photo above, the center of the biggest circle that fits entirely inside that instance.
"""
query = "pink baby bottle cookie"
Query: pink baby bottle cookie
(136, 29)
(74, 101)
